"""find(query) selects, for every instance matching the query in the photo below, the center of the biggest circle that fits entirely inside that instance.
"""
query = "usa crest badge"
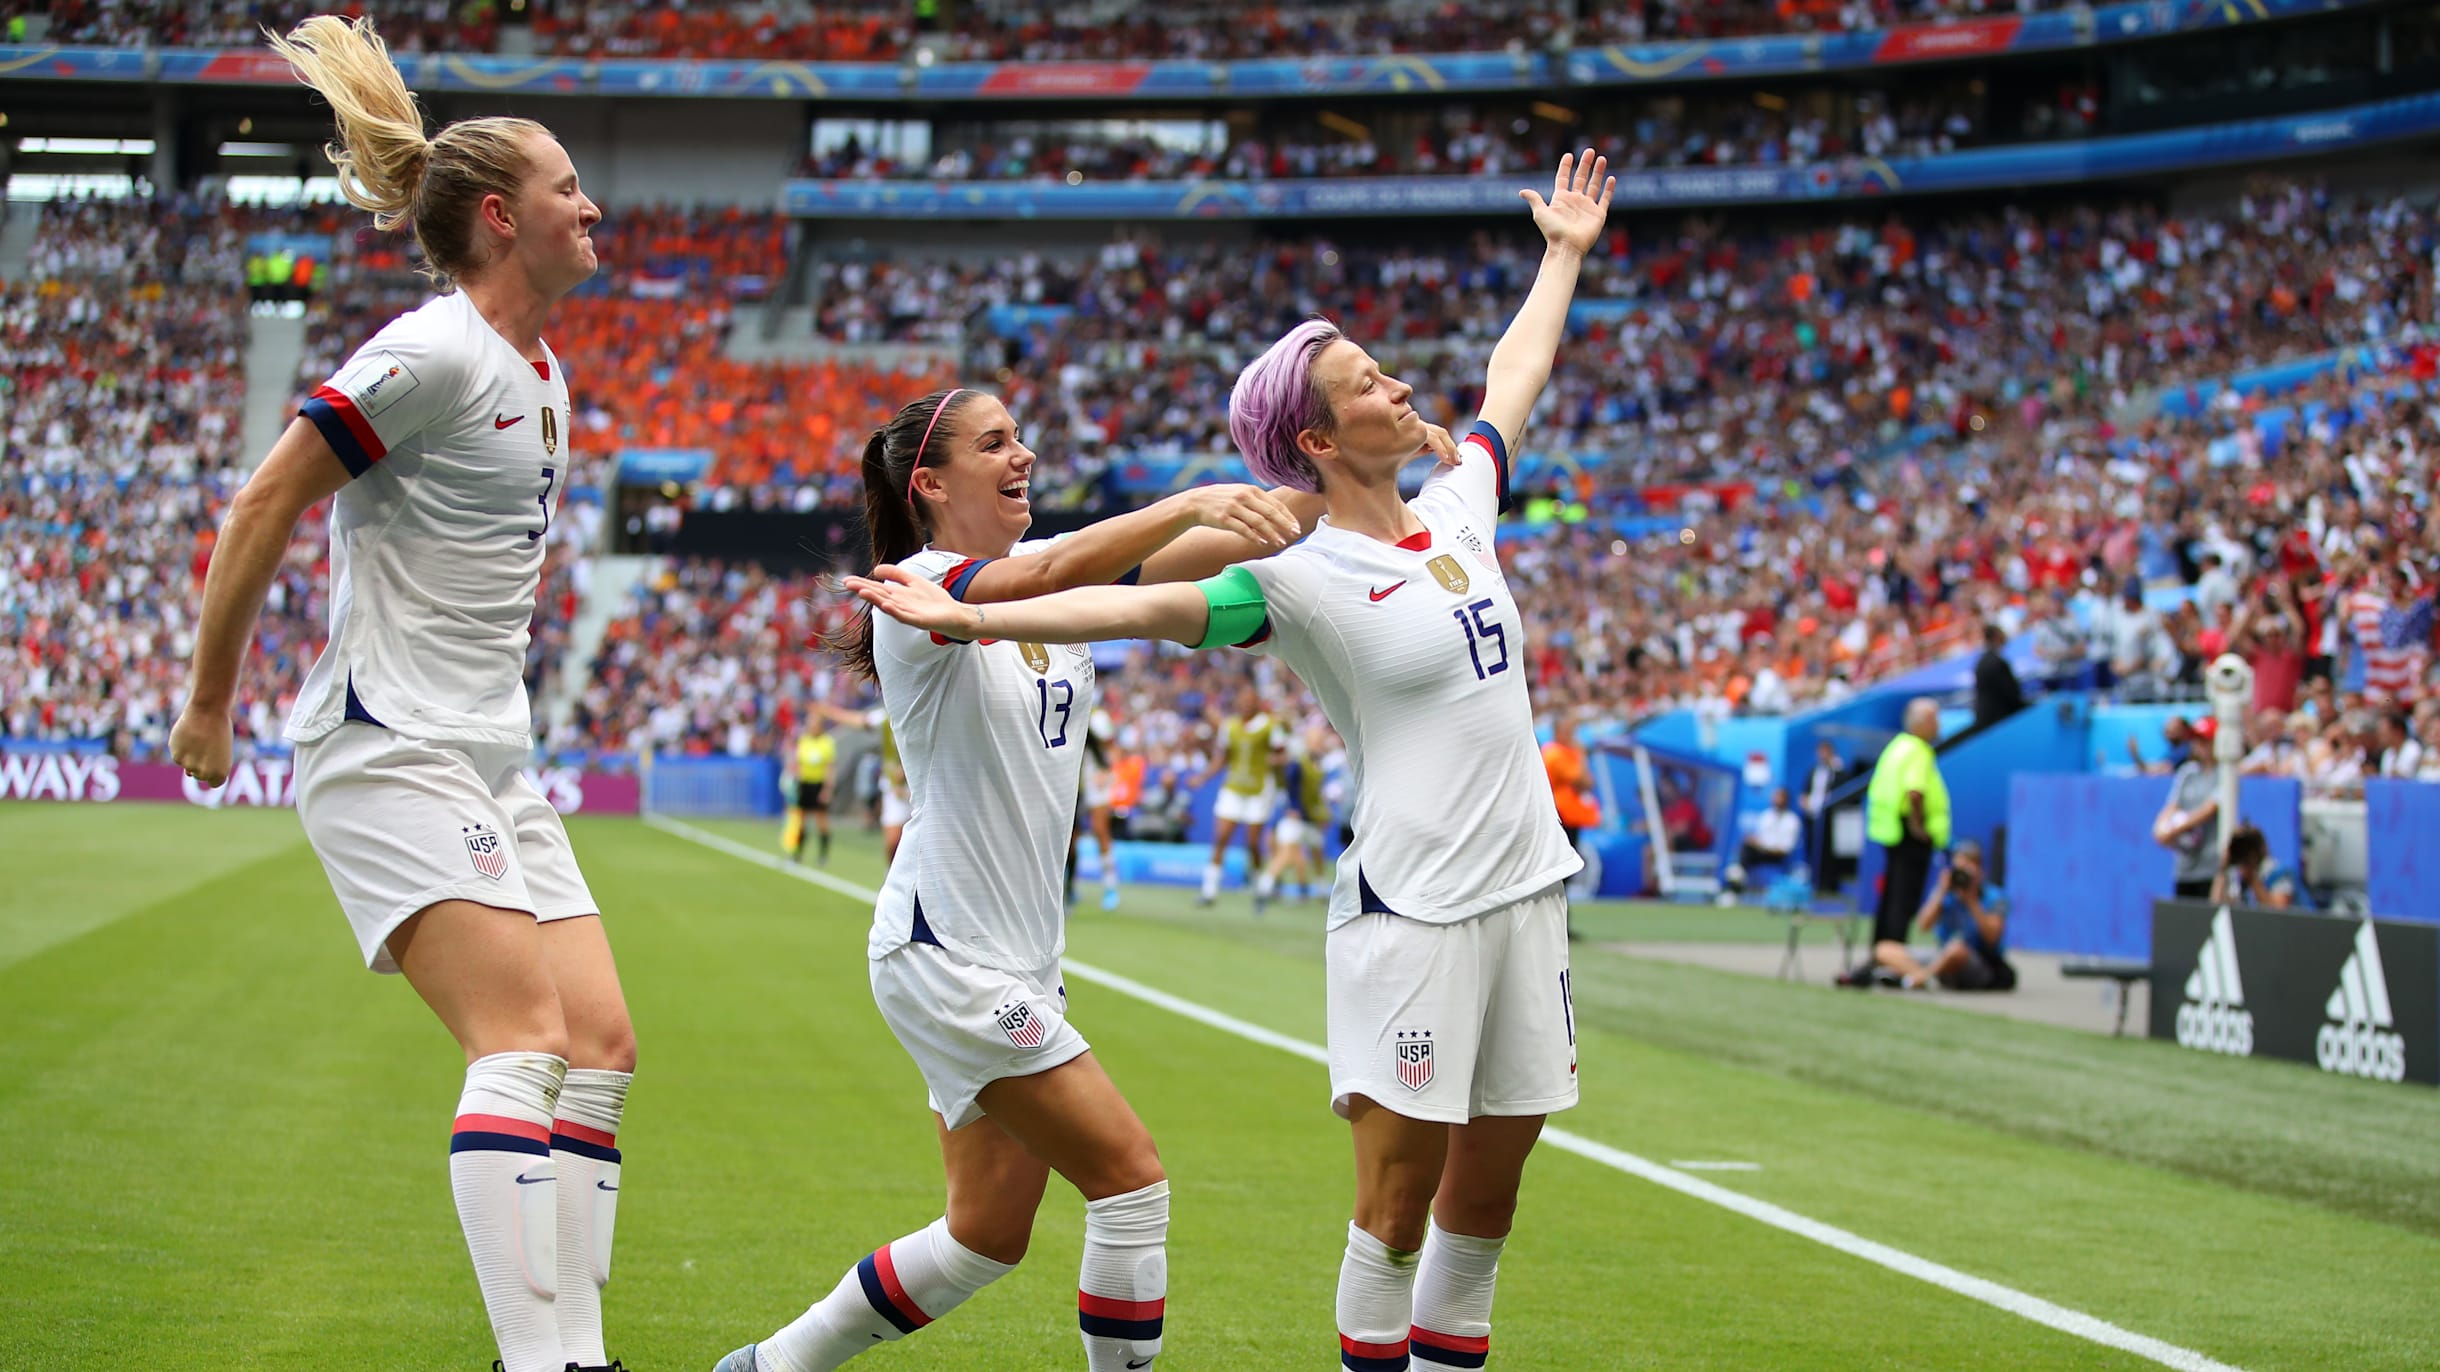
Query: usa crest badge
(1414, 1058)
(485, 850)
(1022, 1026)
(1450, 573)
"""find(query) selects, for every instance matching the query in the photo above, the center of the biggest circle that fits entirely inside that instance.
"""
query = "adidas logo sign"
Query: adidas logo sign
(2214, 1018)
(2359, 1043)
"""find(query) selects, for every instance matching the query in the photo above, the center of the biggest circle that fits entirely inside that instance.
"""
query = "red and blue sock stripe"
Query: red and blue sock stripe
(499, 1134)
(585, 1141)
(1435, 1349)
(1358, 1356)
(1107, 1317)
(879, 1278)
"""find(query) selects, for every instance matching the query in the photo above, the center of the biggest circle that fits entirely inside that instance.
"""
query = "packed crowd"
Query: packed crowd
(122, 359)
(1001, 30)
(1704, 354)
(1665, 132)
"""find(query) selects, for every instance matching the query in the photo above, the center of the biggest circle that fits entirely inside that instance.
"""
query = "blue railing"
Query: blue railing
(2142, 154)
(1639, 64)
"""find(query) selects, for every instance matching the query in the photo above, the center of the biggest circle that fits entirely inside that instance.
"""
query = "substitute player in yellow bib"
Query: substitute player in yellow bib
(1250, 741)
(1451, 1028)
(816, 753)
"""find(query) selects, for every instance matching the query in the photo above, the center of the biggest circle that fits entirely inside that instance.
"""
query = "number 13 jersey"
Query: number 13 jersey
(459, 447)
(992, 737)
(1417, 654)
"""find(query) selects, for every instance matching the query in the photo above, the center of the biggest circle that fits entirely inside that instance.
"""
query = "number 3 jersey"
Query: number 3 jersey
(1417, 654)
(992, 737)
(457, 444)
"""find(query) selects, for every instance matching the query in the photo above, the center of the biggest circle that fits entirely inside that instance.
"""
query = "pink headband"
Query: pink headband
(937, 412)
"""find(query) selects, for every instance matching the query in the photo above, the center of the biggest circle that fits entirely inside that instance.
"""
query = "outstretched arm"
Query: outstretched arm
(1570, 222)
(1177, 611)
(1248, 520)
(1211, 550)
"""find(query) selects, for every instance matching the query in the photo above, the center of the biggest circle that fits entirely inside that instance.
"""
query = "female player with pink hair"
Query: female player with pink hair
(1452, 1032)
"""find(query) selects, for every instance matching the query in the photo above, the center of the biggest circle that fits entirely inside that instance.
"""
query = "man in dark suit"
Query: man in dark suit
(1996, 692)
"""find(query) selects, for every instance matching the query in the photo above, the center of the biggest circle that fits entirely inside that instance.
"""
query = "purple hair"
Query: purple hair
(1278, 398)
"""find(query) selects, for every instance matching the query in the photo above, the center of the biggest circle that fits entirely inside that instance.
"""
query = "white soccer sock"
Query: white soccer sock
(1453, 1286)
(890, 1294)
(1109, 867)
(584, 1147)
(1262, 886)
(1125, 1280)
(1211, 880)
(501, 1171)
(1376, 1304)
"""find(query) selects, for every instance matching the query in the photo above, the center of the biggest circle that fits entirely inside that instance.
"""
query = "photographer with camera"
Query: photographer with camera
(1968, 916)
(2251, 876)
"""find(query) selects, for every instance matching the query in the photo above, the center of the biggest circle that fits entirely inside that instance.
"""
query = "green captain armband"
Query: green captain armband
(1238, 611)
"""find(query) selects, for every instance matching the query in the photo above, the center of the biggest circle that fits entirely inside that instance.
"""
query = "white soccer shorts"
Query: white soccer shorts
(402, 824)
(1291, 831)
(1096, 792)
(967, 1025)
(1244, 809)
(1451, 1021)
(894, 807)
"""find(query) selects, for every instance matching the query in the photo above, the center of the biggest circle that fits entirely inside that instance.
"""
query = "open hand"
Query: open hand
(1247, 511)
(915, 600)
(1438, 443)
(1579, 202)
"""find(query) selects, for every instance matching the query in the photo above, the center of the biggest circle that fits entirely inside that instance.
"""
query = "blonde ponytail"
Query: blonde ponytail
(381, 153)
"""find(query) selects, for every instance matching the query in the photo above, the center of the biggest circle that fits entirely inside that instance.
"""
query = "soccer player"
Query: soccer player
(1304, 816)
(1100, 764)
(1451, 1030)
(445, 440)
(1250, 740)
(816, 753)
(970, 925)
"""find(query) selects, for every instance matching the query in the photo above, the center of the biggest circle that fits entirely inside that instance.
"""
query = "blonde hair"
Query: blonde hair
(385, 164)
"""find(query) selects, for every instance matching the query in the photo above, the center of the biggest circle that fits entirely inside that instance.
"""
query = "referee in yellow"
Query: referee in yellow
(1906, 811)
(816, 751)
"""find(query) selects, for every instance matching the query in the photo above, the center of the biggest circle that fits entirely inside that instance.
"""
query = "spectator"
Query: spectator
(1906, 812)
(2142, 656)
(2401, 754)
(2058, 642)
(2272, 753)
(1968, 918)
(1996, 692)
(1775, 838)
(2269, 634)
(1571, 786)
(2251, 876)
(2189, 821)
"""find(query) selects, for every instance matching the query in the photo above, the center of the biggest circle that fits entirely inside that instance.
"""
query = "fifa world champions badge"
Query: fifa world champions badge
(484, 848)
(1414, 1058)
(1450, 573)
(1036, 657)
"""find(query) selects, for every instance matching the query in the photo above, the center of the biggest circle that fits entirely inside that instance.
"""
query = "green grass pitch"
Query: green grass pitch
(223, 1144)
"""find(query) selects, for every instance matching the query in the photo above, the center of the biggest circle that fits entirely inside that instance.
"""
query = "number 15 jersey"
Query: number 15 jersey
(1417, 654)
(457, 445)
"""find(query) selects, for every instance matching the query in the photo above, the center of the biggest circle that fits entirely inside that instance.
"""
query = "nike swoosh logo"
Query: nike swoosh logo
(603, 1186)
(534, 1181)
(499, 423)
(1384, 594)
(1140, 1362)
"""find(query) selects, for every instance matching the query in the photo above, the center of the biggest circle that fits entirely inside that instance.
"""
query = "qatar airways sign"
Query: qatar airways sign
(101, 780)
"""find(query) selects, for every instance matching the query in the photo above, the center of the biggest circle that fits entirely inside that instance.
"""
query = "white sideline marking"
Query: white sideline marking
(1947, 1278)
(1683, 1165)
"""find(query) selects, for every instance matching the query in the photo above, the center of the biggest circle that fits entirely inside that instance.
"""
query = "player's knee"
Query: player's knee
(1397, 1218)
(1488, 1217)
(611, 1048)
(1001, 1235)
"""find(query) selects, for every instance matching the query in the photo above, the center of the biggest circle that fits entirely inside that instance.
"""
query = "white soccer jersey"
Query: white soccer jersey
(991, 735)
(458, 445)
(1417, 654)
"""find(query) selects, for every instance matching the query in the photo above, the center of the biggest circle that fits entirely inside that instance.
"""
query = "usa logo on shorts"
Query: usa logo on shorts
(1414, 1058)
(489, 854)
(1023, 1030)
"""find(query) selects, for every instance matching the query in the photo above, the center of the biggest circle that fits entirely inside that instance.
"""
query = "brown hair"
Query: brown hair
(385, 164)
(914, 438)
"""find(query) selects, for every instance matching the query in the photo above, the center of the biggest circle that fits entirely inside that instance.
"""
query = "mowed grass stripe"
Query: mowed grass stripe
(2019, 1303)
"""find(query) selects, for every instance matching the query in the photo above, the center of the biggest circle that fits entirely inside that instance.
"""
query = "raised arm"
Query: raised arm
(300, 472)
(1570, 222)
(1246, 521)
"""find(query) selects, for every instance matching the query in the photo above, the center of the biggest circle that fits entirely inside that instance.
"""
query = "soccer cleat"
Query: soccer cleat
(740, 1361)
(614, 1365)
(1109, 898)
